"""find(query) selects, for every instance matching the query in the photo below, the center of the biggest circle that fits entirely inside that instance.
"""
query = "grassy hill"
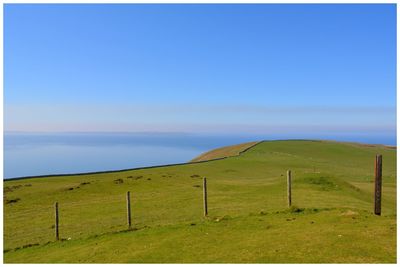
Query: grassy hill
(248, 221)
(223, 152)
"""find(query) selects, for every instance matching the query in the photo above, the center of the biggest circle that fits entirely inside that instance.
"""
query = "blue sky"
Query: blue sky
(201, 68)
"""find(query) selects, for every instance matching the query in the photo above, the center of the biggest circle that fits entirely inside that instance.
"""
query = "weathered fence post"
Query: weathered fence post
(289, 188)
(205, 196)
(378, 184)
(128, 209)
(56, 218)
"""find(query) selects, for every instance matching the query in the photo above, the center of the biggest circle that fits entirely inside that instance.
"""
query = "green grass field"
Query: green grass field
(248, 222)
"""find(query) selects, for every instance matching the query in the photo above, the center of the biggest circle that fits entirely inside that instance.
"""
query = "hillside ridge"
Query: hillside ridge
(225, 152)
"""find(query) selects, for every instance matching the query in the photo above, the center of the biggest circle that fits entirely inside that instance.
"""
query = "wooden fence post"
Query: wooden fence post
(128, 209)
(56, 218)
(289, 188)
(205, 196)
(378, 184)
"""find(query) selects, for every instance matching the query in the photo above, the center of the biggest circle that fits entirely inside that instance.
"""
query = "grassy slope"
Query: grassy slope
(247, 203)
(222, 152)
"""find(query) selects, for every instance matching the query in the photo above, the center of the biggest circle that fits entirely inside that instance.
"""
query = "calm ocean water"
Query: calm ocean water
(42, 154)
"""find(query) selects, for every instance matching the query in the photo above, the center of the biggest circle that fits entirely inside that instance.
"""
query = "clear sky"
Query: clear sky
(200, 68)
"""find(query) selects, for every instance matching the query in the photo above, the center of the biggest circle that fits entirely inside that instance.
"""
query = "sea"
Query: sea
(34, 154)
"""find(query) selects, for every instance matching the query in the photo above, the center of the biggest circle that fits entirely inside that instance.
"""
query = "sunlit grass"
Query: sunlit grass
(248, 192)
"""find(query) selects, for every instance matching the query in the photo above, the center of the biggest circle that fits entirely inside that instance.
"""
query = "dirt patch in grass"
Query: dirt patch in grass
(12, 200)
(12, 188)
(135, 177)
(77, 187)
(349, 213)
